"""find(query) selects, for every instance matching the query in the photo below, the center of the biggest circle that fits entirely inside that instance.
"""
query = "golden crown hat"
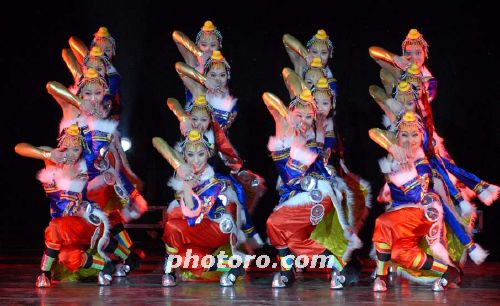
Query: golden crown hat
(322, 83)
(71, 137)
(91, 73)
(404, 92)
(413, 34)
(200, 100)
(408, 122)
(208, 26)
(404, 86)
(102, 32)
(306, 96)
(414, 69)
(73, 130)
(217, 55)
(316, 63)
(194, 136)
(321, 34)
(96, 52)
(409, 116)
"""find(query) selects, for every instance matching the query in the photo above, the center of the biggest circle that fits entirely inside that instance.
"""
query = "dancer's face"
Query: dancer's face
(305, 116)
(92, 95)
(320, 50)
(410, 139)
(415, 54)
(324, 104)
(98, 65)
(200, 120)
(106, 47)
(196, 156)
(208, 43)
(312, 76)
(218, 73)
(72, 153)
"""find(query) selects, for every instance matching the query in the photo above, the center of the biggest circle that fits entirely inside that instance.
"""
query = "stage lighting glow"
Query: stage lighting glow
(126, 144)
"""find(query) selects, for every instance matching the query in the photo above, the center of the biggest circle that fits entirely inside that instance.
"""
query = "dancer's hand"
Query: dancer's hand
(321, 123)
(185, 127)
(400, 156)
(184, 172)
(58, 156)
(401, 62)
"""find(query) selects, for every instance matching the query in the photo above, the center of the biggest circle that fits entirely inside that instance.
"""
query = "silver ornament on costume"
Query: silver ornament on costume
(317, 213)
(109, 178)
(226, 224)
(308, 183)
(316, 195)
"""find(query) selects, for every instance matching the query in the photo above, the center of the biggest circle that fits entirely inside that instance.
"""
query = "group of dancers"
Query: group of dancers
(425, 233)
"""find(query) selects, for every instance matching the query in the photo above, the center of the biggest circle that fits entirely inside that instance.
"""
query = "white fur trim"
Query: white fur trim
(65, 179)
(353, 243)
(387, 165)
(368, 187)
(302, 154)
(489, 195)
(279, 144)
(106, 126)
(74, 185)
(466, 208)
(224, 104)
(420, 280)
(399, 178)
(175, 183)
(105, 234)
(173, 204)
(478, 255)
(47, 175)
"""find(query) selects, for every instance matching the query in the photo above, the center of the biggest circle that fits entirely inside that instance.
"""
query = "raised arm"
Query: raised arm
(170, 155)
(181, 115)
(177, 109)
(383, 138)
(28, 150)
(385, 59)
(188, 49)
(296, 51)
(388, 80)
(279, 112)
(380, 98)
(71, 62)
(70, 104)
(192, 79)
(294, 83)
(79, 49)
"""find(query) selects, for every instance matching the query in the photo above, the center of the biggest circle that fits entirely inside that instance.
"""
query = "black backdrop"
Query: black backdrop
(463, 40)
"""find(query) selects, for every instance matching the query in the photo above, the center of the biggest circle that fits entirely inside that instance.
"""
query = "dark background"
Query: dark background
(464, 52)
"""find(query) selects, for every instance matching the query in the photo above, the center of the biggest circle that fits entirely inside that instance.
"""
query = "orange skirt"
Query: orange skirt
(402, 230)
(72, 236)
(202, 239)
(290, 227)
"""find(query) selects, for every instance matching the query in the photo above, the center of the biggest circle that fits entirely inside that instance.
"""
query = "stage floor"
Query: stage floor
(17, 286)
